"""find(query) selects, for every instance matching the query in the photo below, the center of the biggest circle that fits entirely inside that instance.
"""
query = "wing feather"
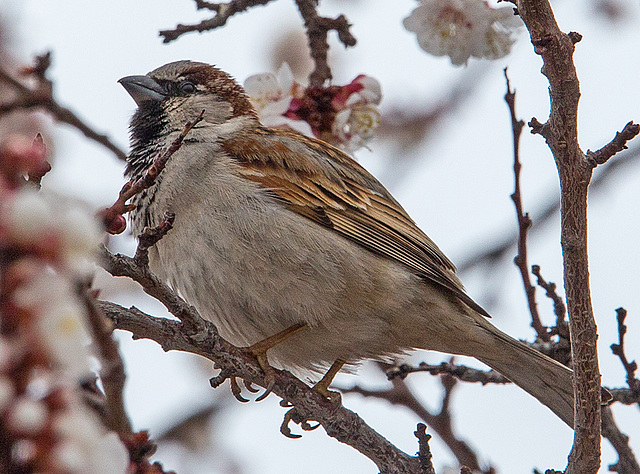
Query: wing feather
(320, 182)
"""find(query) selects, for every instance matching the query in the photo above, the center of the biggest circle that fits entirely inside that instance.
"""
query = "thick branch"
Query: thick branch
(318, 28)
(203, 339)
(561, 134)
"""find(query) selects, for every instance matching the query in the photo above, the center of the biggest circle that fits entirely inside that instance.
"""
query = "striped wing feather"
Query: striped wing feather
(318, 181)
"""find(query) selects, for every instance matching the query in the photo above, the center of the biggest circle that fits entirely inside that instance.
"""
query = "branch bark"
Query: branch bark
(561, 135)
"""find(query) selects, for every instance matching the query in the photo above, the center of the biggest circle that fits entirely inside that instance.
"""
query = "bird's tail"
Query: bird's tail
(544, 378)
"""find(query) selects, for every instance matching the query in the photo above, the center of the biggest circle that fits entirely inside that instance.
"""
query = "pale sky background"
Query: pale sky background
(457, 188)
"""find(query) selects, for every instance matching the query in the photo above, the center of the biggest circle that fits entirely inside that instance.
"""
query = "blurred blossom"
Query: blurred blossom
(59, 321)
(27, 416)
(463, 28)
(30, 219)
(345, 116)
(271, 95)
(84, 445)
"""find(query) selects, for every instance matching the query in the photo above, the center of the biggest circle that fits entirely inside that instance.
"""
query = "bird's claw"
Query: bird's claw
(293, 415)
(236, 390)
(249, 386)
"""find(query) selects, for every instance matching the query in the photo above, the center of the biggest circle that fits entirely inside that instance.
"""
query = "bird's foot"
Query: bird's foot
(322, 387)
(259, 351)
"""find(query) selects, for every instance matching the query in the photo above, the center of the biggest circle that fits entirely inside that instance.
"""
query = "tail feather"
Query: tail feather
(544, 378)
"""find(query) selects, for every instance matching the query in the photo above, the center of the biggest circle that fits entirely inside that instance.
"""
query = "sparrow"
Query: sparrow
(289, 246)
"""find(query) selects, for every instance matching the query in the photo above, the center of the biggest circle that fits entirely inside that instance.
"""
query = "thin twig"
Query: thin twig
(559, 308)
(619, 143)
(424, 451)
(461, 372)
(524, 221)
(441, 422)
(112, 216)
(627, 462)
(223, 11)
(619, 350)
(505, 239)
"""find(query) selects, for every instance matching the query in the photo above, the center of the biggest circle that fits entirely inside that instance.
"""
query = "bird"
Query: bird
(291, 248)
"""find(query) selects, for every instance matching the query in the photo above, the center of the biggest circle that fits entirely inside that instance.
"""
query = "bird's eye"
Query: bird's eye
(187, 87)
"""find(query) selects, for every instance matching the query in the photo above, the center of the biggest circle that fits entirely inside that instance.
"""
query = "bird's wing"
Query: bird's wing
(320, 182)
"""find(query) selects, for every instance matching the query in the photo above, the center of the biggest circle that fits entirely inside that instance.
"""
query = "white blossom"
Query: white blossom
(27, 416)
(358, 116)
(355, 126)
(271, 95)
(59, 321)
(85, 446)
(30, 218)
(463, 28)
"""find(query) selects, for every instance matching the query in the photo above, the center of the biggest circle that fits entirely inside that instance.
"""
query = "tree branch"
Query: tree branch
(619, 143)
(318, 28)
(524, 221)
(203, 339)
(223, 11)
(627, 462)
(561, 135)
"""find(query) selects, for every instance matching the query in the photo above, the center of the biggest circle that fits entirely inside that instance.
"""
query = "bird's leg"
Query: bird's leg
(322, 387)
(259, 351)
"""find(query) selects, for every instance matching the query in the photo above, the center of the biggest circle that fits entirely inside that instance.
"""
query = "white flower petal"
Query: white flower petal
(462, 28)
(285, 78)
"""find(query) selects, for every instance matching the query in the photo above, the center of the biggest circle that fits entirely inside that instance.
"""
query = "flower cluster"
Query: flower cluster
(346, 116)
(44, 243)
(463, 28)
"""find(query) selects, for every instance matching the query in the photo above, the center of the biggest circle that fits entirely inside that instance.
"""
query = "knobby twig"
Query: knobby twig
(619, 143)
(41, 96)
(440, 423)
(618, 350)
(112, 217)
(318, 28)
(461, 372)
(524, 221)
(562, 327)
(424, 451)
(223, 11)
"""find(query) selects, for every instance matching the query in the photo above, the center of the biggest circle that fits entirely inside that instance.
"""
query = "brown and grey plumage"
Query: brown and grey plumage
(274, 229)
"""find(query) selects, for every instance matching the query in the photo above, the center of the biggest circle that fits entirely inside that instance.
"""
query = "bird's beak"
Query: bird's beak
(143, 88)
